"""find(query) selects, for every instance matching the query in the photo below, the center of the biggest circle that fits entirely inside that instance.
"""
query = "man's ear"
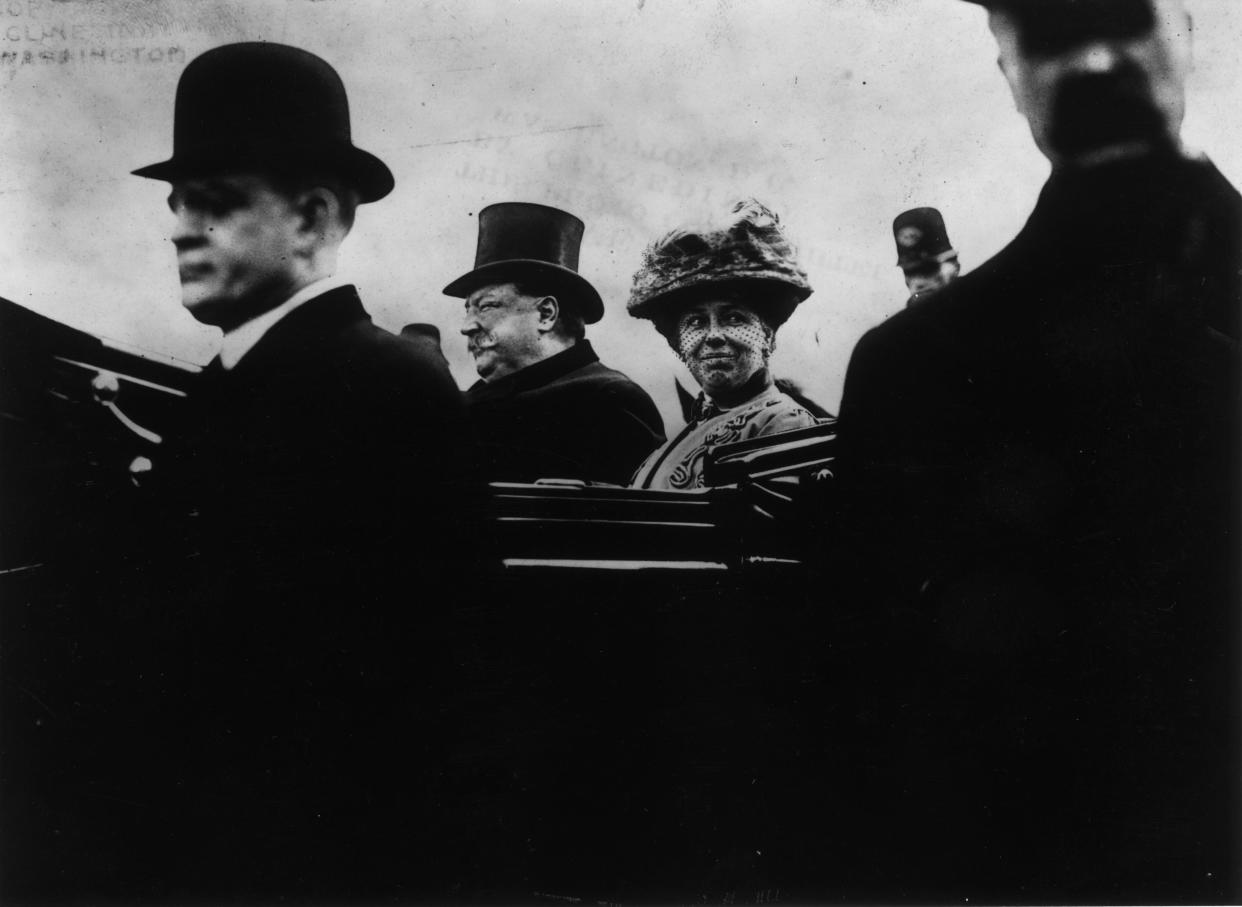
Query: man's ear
(318, 212)
(549, 310)
(1004, 30)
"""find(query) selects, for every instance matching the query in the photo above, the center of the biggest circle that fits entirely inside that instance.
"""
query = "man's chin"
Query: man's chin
(484, 365)
(224, 313)
(204, 309)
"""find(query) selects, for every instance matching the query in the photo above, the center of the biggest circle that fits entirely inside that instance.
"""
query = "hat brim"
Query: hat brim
(772, 300)
(580, 293)
(361, 170)
(675, 292)
(937, 259)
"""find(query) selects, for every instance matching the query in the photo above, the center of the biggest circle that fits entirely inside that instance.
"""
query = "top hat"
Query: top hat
(921, 238)
(260, 105)
(522, 240)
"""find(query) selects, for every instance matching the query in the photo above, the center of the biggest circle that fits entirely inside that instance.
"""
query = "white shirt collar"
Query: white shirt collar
(239, 341)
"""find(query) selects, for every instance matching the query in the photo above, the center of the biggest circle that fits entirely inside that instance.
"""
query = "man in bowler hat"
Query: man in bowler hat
(545, 406)
(927, 259)
(1041, 502)
(327, 458)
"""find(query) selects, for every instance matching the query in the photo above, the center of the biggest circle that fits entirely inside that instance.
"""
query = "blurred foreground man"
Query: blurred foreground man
(546, 407)
(1040, 473)
(326, 459)
(927, 259)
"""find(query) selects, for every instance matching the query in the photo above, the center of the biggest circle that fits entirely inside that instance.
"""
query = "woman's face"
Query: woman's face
(723, 342)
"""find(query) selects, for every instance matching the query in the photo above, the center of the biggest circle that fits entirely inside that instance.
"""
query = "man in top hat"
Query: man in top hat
(545, 406)
(327, 459)
(926, 257)
(1041, 502)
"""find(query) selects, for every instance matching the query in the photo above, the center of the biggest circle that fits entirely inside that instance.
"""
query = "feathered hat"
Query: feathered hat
(747, 244)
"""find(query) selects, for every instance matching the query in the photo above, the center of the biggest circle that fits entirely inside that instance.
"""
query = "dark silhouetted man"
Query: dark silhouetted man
(1040, 471)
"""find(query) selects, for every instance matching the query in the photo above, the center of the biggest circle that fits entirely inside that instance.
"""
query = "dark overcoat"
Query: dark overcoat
(1040, 505)
(330, 484)
(568, 416)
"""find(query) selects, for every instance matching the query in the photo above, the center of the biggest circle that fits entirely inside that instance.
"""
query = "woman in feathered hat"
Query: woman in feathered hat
(718, 293)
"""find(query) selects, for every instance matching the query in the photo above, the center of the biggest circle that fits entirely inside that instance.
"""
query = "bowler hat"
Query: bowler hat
(921, 238)
(520, 240)
(261, 105)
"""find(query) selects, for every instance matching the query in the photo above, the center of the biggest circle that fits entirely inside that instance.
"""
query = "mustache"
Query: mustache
(1096, 110)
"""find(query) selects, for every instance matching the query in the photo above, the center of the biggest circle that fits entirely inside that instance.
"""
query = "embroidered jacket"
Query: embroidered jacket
(679, 463)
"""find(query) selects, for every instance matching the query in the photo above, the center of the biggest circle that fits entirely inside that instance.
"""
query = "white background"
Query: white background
(634, 115)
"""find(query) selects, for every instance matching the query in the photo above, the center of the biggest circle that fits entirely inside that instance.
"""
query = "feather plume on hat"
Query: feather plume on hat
(747, 244)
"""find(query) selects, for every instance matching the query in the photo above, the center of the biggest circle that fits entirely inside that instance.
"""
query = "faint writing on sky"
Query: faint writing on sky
(95, 55)
(82, 32)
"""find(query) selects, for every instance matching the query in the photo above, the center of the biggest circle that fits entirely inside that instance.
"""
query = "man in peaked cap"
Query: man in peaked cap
(327, 458)
(926, 257)
(1041, 502)
(545, 406)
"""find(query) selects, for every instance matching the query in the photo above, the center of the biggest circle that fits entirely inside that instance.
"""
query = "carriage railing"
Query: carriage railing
(99, 413)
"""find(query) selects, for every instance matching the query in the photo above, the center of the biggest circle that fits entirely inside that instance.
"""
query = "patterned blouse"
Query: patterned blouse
(679, 463)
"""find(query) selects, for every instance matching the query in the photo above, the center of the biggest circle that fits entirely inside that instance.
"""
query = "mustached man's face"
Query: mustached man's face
(502, 327)
(1101, 80)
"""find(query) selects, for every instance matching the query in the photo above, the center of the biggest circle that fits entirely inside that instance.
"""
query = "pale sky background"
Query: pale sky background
(636, 116)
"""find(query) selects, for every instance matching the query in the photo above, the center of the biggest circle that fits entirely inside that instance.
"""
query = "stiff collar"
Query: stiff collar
(546, 370)
(240, 341)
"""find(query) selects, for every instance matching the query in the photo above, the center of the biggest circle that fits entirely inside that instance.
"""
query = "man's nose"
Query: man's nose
(187, 229)
(470, 325)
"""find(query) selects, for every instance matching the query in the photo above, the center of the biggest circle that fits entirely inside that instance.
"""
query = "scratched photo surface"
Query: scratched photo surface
(636, 116)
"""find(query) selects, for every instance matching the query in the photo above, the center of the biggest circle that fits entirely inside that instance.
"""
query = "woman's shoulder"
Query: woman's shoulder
(771, 412)
(780, 412)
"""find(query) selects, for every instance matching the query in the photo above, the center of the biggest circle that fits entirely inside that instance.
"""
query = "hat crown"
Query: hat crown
(522, 231)
(255, 93)
(256, 104)
(748, 243)
(520, 240)
(921, 237)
